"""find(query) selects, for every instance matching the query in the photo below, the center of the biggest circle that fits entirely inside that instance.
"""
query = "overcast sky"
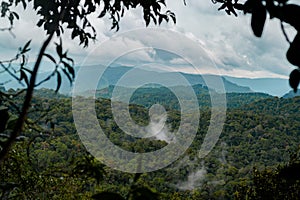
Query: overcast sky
(227, 39)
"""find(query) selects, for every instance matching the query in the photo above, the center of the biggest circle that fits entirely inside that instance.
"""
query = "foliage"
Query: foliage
(148, 96)
(54, 18)
(53, 164)
(280, 183)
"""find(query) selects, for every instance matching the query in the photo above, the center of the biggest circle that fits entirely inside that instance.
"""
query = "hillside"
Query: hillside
(112, 75)
(147, 96)
(291, 94)
(273, 86)
(55, 162)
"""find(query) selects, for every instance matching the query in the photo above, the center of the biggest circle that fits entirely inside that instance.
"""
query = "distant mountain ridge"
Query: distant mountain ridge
(148, 96)
(291, 94)
(272, 86)
(112, 75)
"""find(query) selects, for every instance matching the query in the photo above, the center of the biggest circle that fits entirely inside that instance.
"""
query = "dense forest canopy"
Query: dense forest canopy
(53, 163)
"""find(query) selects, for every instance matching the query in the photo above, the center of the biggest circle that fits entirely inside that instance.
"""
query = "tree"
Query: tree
(55, 17)
(279, 9)
(280, 183)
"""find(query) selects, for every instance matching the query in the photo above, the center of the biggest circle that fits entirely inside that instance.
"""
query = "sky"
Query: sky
(228, 40)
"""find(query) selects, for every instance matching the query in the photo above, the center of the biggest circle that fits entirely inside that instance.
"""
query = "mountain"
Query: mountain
(263, 134)
(134, 76)
(273, 86)
(230, 87)
(291, 94)
(150, 95)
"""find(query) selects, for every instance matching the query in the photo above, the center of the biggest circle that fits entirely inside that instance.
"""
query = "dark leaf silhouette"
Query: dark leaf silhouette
(50, 57)
(287, 14)
(143, 193)
(258, 19)
(294, 51)
(107, 196)
(102, 14)
(59, 50)
(3, 118)
(222, 7)
(58, 81)
(290, 172)
(294, 79)
(25, 48)
(24, 77)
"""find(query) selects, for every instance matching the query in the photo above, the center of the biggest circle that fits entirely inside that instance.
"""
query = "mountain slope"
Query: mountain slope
(291, 94)
(273, 86)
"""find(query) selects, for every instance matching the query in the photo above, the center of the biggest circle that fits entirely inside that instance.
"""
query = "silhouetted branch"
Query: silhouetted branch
(6, 69)
(9, 29)
(26, 104)
(284, 33)
(48, 77)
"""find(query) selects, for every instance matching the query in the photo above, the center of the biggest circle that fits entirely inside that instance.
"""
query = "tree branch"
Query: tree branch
(26, 104)
(284, 33)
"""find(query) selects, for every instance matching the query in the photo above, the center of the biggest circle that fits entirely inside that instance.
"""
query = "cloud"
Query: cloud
(228, 40)
(178, 61)
(231, 41)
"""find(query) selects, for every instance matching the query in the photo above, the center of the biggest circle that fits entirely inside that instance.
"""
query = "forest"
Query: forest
(42, 155)
(256, 156)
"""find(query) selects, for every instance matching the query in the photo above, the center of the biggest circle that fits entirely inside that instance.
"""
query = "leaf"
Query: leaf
(69, 68)
(147, 18)
(24, 4)
(59, 49)
(162, 17)
(23, 61)
(74, 34)
(68, 75)
(102, 14)
(162, 2)
(24, 76)
(16, 15)
(293, 52)
(223, 6)
(4, 116)
(58, 82)
(248, 6)
(153, 18)
(290, 172)
(172, 15)
(40, 22)
(231, 9)
(107, 196)
(71, 60)
(25, 48)
(259, 15)
(115, 25)
(122, 12)
(238, 6)
(294, 79)
(144, 193)
(50, 57)
(287, 14)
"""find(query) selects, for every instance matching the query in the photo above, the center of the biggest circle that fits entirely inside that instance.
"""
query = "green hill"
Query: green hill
(51, 162)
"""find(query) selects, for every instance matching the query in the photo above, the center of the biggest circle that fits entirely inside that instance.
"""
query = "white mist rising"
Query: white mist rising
(157, 127)
(195, 179)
